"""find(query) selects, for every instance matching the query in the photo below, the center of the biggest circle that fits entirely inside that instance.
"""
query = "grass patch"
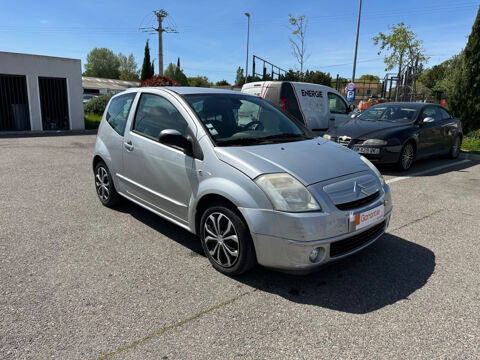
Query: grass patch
(471, 142)
(92, 121)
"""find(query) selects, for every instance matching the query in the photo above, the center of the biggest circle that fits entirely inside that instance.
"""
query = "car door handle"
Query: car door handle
(128, 145)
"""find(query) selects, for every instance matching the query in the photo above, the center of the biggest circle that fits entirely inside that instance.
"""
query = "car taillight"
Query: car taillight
(283, 104)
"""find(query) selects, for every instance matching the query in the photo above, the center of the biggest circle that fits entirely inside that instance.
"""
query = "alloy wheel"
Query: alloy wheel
(221, 239)
(407, 156)
(456, 147)
(102, 183)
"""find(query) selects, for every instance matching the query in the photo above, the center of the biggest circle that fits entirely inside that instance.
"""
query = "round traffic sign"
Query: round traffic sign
(350, 86)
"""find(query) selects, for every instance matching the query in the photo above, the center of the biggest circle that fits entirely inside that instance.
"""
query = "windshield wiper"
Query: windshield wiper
(244, 141)
(287, 137)
(264, 140)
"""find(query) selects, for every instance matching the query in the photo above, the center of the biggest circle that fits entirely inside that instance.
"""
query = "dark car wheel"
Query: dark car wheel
(226, 240)
(407, 156)
(456, 146)
(106, 192)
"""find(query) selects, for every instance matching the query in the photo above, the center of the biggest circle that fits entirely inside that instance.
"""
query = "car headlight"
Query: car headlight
(286, 193)
(375, 142)
(326, 136)
(374, 169)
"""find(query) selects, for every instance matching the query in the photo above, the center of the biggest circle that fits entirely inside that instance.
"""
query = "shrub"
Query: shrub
(474, 134)
(97, 105)
(157, 80)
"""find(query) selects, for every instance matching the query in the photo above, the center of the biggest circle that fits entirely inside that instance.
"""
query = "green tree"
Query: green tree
(240, 78)
(222, 83)
(128, 67)
(299, 26)
(291, 75)
(401, 47)
(318, 77)
(103, 63)
(440, 79)
(175, 73)
(199, 81)
(465, 100)
(147, 67)
(369, 78)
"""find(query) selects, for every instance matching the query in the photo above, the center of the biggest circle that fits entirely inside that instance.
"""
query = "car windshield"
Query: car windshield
(391, 113)
(234, 119)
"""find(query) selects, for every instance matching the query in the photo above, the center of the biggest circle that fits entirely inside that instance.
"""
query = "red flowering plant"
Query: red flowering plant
(157, 80)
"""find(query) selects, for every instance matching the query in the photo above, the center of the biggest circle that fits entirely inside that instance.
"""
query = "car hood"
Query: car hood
(309, 161)
(363, 129)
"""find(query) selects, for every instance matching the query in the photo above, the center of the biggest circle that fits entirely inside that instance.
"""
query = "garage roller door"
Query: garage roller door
(14, 113)
(54, 103)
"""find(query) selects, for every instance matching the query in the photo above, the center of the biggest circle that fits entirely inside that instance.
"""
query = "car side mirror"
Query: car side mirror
(428, 120)
(173, 138)
(351, 107)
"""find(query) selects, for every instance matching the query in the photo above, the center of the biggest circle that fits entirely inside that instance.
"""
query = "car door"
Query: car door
(338, 108)
(448, 130)
(429, 135)
(155, 174)
(116, 117)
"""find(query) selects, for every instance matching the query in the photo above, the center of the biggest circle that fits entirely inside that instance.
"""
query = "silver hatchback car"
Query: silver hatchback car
(254, 184)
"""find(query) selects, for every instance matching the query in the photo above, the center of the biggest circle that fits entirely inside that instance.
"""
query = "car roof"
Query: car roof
(410, 104)
(187, 90)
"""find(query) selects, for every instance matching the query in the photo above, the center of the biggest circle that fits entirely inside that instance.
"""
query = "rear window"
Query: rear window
(117, 113)
(291, 103)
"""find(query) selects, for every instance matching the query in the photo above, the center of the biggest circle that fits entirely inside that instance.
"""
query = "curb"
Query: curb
(469, 156)
(40, 133)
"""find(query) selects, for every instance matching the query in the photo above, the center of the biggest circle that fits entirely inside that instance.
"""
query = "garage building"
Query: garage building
(40, 93)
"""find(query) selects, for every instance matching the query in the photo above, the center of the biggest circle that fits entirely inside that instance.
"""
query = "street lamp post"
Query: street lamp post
(248, 37)
(356, 41)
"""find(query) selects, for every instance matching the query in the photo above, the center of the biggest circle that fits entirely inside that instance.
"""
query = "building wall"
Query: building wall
(34, 66)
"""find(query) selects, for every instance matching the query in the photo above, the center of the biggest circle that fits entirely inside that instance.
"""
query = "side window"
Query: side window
(444, 113)
(432, 112)
(336, 104)
(155, 114)
(117, 113)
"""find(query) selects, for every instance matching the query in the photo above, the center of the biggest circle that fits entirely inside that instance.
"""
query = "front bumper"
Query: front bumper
(285, 240)
(387, 155)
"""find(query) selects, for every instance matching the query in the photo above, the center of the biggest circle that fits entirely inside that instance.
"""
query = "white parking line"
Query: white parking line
(420, 173)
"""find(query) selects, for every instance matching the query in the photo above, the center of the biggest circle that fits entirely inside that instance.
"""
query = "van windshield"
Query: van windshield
(233, 119)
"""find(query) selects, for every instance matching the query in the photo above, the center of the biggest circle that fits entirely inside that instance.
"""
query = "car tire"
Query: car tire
(104, 187)
(407, 156)
(226, 240)
(456, 146)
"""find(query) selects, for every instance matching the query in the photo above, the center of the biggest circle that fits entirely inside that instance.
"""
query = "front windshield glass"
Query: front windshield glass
(233, 119)
(392, 113)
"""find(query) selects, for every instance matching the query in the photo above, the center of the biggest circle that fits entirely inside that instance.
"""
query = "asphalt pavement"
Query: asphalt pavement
(81, 281)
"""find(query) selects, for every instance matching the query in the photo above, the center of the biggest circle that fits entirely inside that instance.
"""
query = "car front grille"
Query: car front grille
(356, 203)
(351, 192)
(344, 246)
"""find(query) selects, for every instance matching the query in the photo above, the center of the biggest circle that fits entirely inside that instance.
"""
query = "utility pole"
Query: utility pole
(160, 14)
(356, 41)
(248, 37)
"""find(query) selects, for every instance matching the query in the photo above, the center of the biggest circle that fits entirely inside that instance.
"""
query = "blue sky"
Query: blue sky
(212, 34)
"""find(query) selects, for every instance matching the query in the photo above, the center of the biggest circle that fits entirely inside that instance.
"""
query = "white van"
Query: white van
(319, 107)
